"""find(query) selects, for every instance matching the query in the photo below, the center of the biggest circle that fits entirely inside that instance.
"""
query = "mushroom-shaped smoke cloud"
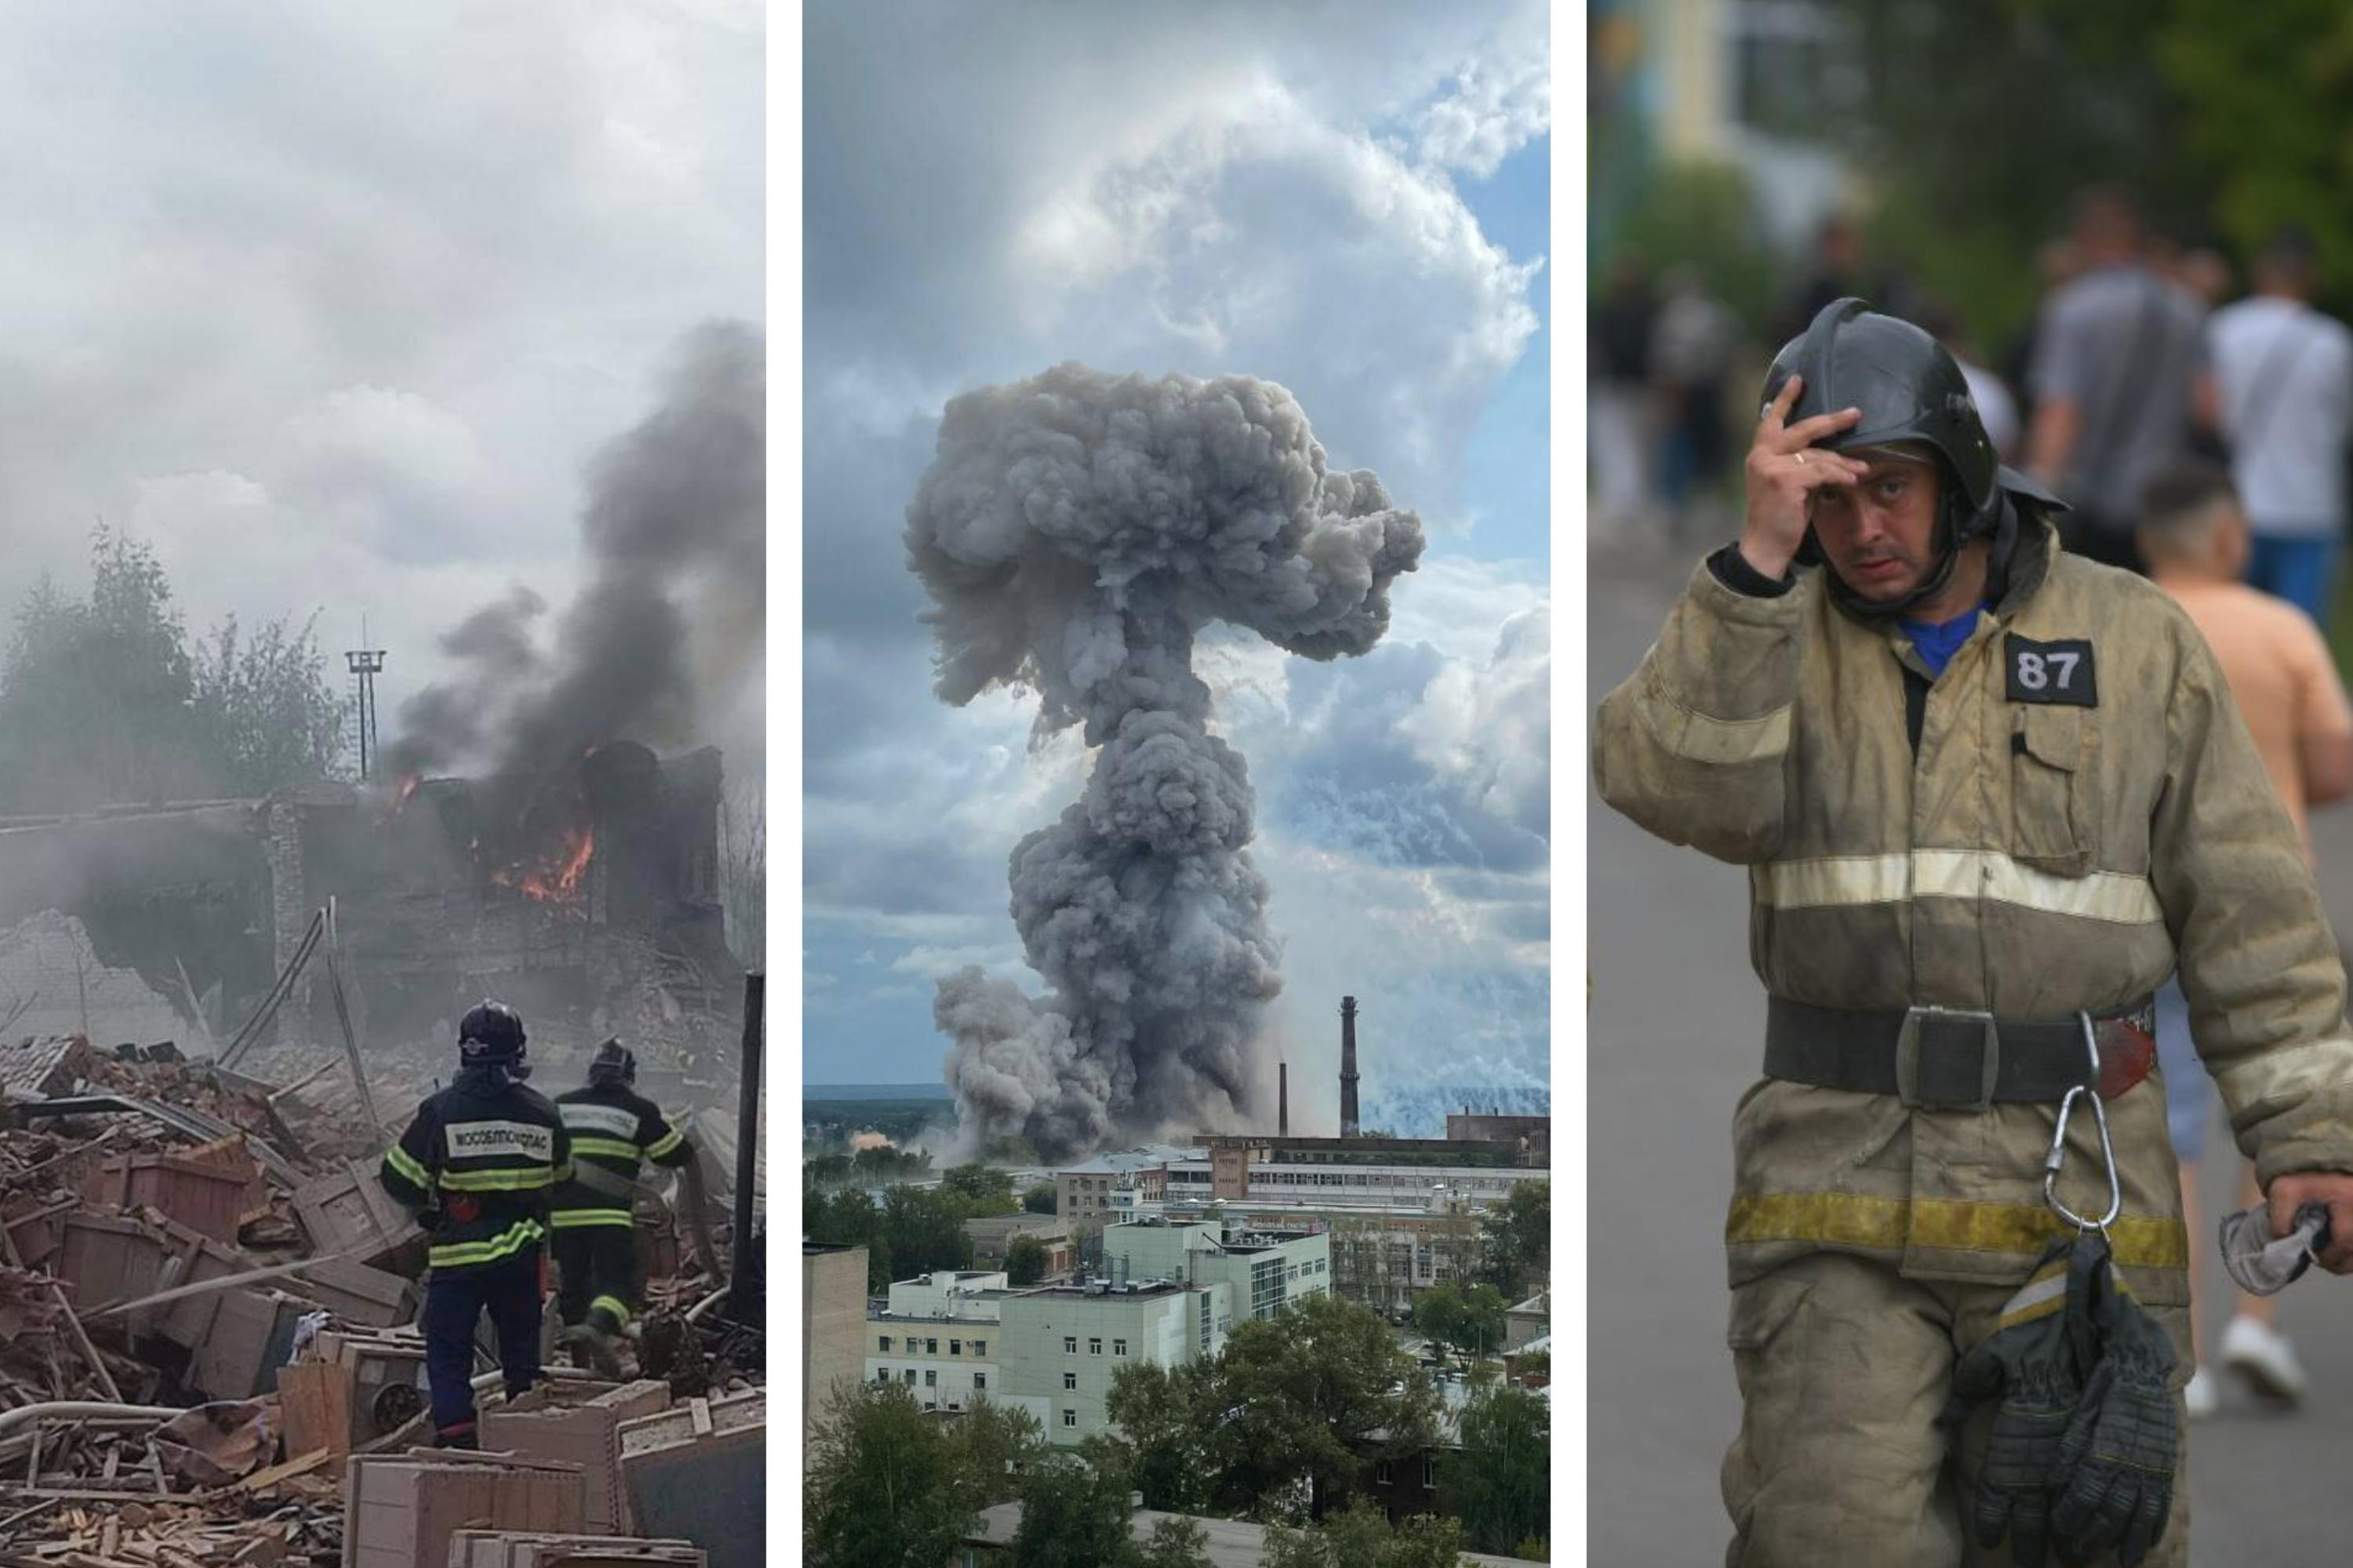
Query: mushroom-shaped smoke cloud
(1075, 531)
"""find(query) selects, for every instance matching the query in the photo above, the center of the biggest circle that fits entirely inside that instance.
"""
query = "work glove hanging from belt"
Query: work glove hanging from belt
(2035, 1365)
(2116, 1460)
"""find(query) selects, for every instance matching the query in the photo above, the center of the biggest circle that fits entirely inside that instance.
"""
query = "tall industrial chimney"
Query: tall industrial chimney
(1282, 1099)
(1347, 1066)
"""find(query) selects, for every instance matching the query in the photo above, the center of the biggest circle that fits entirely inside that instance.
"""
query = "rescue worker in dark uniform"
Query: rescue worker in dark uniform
(1989, 796)
(612, 1128)
(480, 1164)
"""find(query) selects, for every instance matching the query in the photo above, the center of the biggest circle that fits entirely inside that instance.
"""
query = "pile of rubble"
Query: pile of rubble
(208, 1353)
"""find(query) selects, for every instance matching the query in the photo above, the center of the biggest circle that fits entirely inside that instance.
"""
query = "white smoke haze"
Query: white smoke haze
(1076, 532)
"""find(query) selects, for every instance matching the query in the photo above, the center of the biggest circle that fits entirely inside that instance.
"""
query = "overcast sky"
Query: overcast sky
(1349, 198)
(332, 303)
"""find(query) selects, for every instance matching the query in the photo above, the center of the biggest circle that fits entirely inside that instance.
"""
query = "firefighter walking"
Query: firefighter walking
(612, 1128)
(1989, 795)
(479, 1164)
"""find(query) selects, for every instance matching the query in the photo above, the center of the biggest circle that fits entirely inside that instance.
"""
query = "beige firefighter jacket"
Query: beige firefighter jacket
(2035, 858)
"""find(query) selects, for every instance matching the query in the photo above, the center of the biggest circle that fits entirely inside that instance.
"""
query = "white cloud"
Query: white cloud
(397, 271)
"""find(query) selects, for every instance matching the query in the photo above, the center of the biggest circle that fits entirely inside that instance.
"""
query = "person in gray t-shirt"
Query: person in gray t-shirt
(2120, 379)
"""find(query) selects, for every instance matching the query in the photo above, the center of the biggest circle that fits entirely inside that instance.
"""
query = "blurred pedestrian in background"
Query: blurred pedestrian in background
(1691, 350)
(2195, 535)
(1619, 432)
(2120, 378)
(2285, 377)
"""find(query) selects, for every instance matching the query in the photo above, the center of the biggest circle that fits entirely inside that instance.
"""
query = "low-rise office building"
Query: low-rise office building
(1060, 1345)
(935, 1337)
(992, 1235)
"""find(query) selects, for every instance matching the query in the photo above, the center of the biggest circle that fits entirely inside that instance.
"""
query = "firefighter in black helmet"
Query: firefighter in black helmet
(480, 1164)
(613, 1128)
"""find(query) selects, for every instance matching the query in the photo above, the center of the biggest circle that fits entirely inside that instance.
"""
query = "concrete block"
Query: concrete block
(696, 1472)
(579, 1424)
(401, 1511)
(517, 1549)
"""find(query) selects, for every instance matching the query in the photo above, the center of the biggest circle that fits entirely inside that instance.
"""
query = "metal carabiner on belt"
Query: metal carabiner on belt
(2057, 1158)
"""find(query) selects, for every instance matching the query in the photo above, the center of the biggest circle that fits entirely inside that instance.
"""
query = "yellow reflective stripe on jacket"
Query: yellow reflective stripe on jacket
(405, 1165)
(1836, 881)
(499, 1180)
(513, 1239)
(1853, 1219)
(574, 1219)
(610, 1147)
(2286, 1075)
(666, 1144)
(614, 1305)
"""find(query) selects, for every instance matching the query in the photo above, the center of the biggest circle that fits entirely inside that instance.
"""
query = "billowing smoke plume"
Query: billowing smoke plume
(670, 617)
(1075, 531)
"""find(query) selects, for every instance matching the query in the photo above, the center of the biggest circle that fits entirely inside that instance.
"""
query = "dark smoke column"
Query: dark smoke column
(1075, 531)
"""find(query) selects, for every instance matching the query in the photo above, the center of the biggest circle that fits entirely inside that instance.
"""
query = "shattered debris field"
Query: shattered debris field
(208, 1352)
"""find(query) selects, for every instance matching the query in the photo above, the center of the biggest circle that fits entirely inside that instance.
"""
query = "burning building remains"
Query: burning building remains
(1076, 532)
(530, 841)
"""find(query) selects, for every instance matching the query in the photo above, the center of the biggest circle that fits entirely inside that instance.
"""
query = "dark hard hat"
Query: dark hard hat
(1909, 389)
(613, 1060)
(491, 1031)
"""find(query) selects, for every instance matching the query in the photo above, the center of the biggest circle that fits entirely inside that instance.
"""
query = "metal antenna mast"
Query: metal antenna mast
(364, 663)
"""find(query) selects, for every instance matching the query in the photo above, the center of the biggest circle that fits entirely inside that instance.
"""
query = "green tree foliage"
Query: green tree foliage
(103, 703)
(825, 1169)
(1296, 1401)
(265, 700)
(1173, 1543)
(1165, 1416)
(881, 1487)
(1470, 1322)
(982, 1190)
(1041, 1198)
(1074, 1513)
(1025, 1260)
(887, 1486)
(1701, 216)
(992, 1447)
(1501, 1483)
(924, 1230)
(1517, 1239)
(885, 1163)
(1360, 1536)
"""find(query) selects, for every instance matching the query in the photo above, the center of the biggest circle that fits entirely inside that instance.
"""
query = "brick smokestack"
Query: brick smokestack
(1347, 1066)
(1282, 1099)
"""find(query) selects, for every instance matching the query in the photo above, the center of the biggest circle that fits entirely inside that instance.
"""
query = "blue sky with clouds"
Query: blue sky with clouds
(1349, 198)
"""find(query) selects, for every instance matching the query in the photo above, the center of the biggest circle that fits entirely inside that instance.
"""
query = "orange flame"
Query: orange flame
(556, 879)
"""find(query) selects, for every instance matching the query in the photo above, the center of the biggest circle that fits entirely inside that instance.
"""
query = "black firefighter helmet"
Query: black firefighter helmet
(491, 1035)
(613, 1062)
(1908, 389)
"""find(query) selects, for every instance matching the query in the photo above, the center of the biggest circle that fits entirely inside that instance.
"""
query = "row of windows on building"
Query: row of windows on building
(1094, 1345)
(931, 1346)
(931, 1377)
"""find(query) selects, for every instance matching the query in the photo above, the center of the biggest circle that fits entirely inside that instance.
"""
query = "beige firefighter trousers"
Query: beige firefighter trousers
(1844, 1367)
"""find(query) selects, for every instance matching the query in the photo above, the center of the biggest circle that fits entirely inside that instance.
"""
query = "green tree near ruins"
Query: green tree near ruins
(1041, 1198)
(1517, 1239)
(103, 701)
(1025, 1261)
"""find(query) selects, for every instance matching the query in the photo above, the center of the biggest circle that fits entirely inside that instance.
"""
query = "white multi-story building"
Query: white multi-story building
(937, 1337)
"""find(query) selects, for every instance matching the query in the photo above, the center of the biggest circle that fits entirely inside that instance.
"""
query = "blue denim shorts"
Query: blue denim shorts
(2188, 1091)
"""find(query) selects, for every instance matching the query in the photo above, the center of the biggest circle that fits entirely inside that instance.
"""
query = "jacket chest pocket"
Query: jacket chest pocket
(2052, 824)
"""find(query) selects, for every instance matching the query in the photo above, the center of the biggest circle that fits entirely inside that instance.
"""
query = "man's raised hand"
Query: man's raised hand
(1784, 470)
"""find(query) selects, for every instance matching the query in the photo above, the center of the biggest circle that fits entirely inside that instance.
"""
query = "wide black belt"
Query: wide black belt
(1950, 1059)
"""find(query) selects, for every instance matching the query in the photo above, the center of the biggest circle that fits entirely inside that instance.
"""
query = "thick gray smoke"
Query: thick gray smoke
(1075, 531)
(671, 614)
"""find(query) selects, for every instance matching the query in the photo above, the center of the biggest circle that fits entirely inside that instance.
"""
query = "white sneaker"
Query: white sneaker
(2200, 1397)
(2262, 1355)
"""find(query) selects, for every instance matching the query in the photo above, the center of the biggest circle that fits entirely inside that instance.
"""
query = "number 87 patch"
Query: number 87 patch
(2057, 672)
